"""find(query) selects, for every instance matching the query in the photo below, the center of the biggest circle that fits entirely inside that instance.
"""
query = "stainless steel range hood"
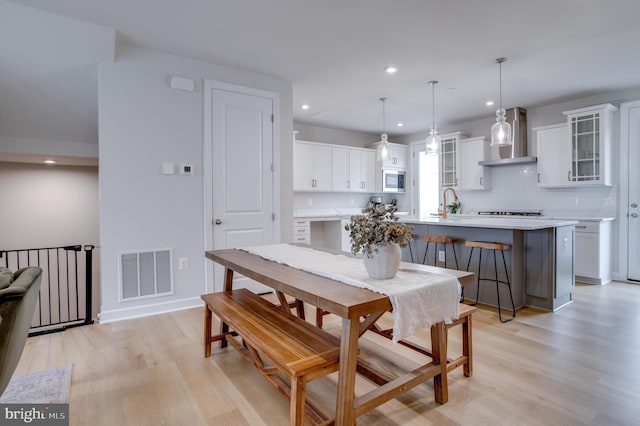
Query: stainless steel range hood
(516, 152)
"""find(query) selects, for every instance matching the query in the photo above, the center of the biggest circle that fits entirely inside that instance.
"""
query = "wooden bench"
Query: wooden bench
(293, 347)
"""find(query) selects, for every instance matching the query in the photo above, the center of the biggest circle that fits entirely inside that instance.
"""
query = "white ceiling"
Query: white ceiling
(335, 51)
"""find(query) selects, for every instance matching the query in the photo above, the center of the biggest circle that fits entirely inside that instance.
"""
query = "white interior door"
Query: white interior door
(242, 177)
(634, 194)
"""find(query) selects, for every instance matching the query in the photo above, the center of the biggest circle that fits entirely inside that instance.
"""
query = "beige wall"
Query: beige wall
(50, 206)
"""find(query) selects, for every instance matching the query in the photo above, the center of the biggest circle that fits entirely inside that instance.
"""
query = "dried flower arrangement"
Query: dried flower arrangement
(378, 226)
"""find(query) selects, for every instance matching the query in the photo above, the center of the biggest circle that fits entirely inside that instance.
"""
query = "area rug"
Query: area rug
(44, 387)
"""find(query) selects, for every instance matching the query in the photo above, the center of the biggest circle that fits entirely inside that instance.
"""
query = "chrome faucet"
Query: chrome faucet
(444, 200)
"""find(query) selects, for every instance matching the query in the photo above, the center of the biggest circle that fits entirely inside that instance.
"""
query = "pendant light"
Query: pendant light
(501, 130)
(383, 150)
(433, 140)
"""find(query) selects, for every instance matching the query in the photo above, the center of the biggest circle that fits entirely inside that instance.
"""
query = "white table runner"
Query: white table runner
(419, 298)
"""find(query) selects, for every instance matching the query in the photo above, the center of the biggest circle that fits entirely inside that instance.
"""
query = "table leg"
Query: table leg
(439, 351)
(347, 373)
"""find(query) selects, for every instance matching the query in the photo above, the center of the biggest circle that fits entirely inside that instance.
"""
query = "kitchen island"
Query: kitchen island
(540, 262)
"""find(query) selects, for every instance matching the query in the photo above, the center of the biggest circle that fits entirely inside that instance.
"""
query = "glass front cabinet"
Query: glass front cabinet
(450, 160)
(590, 131)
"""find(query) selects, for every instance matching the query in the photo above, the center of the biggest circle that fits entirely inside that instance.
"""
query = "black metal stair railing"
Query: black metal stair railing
(66, 289)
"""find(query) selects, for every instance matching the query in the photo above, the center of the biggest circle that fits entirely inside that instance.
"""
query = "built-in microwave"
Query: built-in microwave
(393, 180)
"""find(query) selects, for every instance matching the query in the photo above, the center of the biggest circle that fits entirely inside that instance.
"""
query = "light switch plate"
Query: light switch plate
(167, 169)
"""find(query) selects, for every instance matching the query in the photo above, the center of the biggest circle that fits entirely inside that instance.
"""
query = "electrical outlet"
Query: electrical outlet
(183, 263)
(441, 256)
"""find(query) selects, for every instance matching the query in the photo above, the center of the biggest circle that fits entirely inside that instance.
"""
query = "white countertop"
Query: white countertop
(493, 222)
(331, 212)
(544, 217)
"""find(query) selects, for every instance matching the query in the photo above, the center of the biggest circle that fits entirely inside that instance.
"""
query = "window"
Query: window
(427, 189)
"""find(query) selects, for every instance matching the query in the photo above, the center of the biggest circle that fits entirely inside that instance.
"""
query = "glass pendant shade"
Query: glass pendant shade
(501, 130)
(433, 142)
(382, 152)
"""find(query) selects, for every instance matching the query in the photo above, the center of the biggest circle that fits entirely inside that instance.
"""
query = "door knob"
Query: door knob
(218, 222)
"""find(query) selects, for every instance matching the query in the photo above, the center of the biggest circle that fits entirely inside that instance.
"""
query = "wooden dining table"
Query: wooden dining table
(358, 308)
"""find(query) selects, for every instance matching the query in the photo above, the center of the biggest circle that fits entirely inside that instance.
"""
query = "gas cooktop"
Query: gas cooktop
(511, 212)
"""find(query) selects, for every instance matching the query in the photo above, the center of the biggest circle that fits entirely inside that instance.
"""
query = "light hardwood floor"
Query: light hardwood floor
(578, 366)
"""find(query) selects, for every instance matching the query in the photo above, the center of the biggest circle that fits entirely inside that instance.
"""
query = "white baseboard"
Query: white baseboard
(107, 316)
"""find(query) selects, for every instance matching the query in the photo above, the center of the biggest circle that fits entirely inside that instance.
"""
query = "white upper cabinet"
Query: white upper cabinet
(332, 168)
(312, 167)
(472, 175)
(579, 152)
(554, 155)
(340, 169)
(362, 164)
(450, 160)
(590, 130)
(397, 156)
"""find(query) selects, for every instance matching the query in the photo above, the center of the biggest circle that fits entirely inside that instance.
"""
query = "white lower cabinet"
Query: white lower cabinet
(593, 252)
(301, 231)
(345, 244)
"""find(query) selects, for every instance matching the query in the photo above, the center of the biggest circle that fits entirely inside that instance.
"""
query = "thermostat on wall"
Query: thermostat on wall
(186, 169)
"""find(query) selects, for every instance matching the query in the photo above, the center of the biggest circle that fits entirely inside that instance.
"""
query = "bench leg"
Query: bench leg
(296, 409)
(208, 317)
(467, 349)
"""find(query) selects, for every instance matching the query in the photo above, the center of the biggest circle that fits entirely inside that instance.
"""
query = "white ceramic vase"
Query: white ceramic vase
(384, 263)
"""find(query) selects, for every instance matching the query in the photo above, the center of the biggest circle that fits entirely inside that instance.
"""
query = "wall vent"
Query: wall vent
(145, 273)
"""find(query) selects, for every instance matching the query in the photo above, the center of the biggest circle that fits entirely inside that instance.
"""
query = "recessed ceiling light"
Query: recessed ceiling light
(452, 90)
(489, 103)
(49, 161)
(305, 106)
(391, 70)
(399, 124)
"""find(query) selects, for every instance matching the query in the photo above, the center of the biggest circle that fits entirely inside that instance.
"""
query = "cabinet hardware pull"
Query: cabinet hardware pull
(581, 226)
(481, 180)
(569, 175)
(634, 215)
(538, 177)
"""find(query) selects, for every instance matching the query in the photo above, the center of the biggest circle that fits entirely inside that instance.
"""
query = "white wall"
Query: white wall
(49, 81)
(50, 206)
(307, 132)
(143, 122)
